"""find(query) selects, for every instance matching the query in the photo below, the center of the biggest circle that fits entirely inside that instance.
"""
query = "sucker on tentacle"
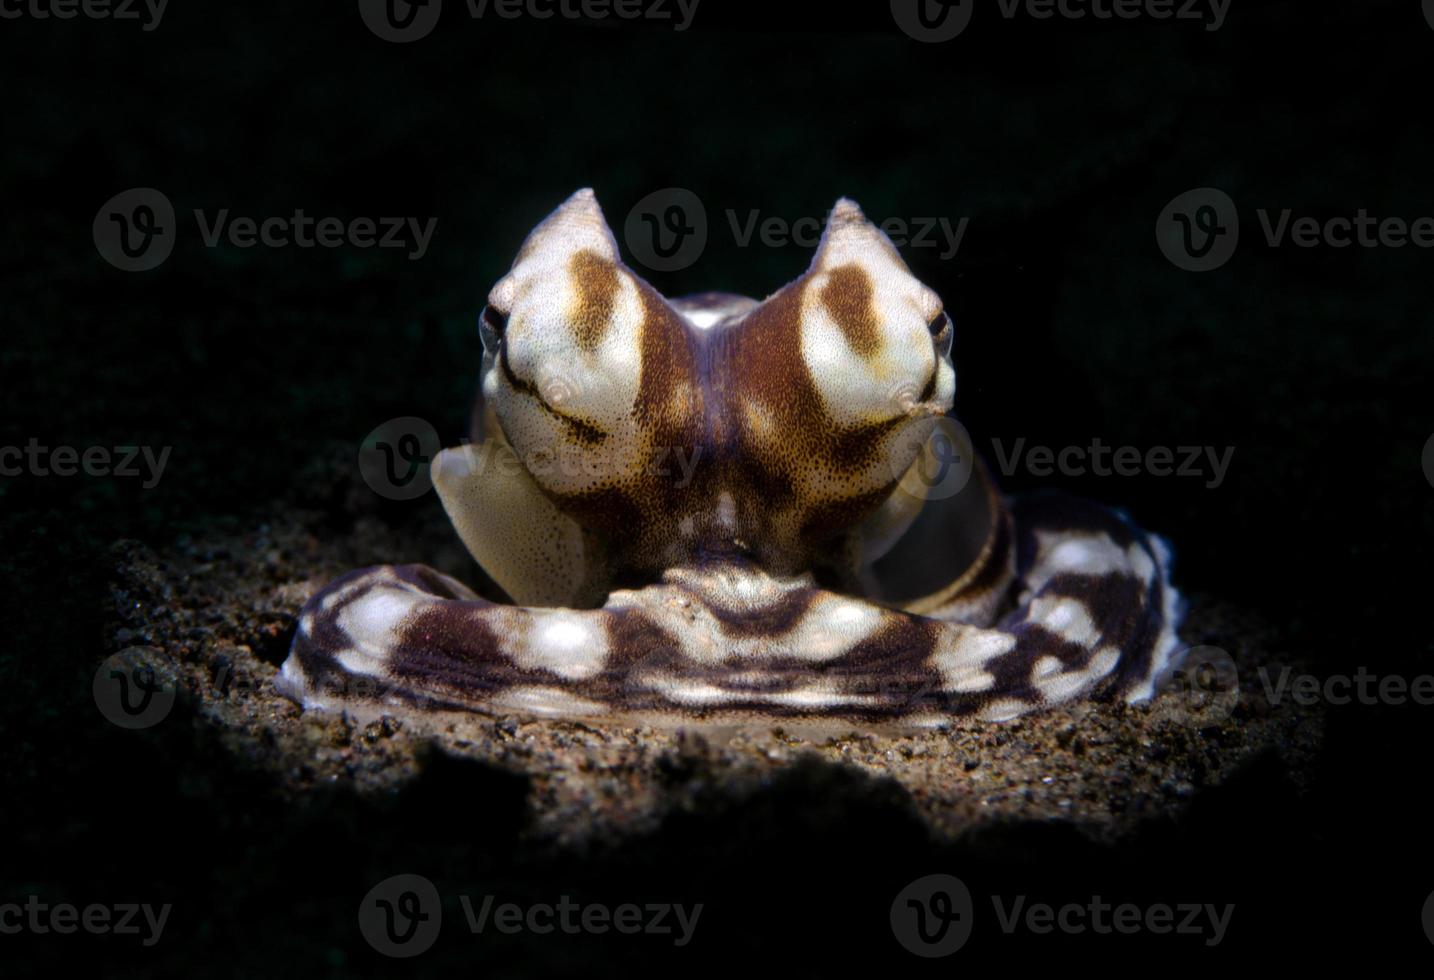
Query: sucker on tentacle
(791, 573)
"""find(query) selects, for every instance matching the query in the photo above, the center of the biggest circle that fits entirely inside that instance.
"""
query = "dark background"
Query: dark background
(1060, 141)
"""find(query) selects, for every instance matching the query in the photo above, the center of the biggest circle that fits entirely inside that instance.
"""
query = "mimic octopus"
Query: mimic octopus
(713, 509)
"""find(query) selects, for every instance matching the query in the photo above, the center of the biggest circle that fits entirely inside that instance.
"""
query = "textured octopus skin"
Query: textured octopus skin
(794, 575)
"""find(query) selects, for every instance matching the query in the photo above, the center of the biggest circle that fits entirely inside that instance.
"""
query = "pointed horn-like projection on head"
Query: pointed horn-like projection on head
(850, 235)
(575, 227)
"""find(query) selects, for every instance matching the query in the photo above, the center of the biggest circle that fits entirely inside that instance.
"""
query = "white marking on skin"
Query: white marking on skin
(293, 673)
(747, 680)
(1163, 664)
(727, 512)
(970, 681)
(547, 702)
(824, 645)
(1068, 618)
(361, 662)
(831, 628)
(376, 578)
(1004, 710)
(327, 604)
(1062, 687)
(1047, 666)
(373, 621)
(1078, 554)
(817, 696)
(1140, 563)
(686, 693)
(704, 319)
(690, 623)
(961, 651)
(567, 644)
(926, 721)
(820, 695)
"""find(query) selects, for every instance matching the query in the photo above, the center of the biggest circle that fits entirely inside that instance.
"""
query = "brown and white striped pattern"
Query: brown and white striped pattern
(696, 497)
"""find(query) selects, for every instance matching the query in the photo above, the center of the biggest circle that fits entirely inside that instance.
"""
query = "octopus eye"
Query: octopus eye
(491, 326)
(942, 332)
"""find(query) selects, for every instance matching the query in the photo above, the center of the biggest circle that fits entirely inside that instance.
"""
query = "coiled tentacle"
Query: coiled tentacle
(1087, 611)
